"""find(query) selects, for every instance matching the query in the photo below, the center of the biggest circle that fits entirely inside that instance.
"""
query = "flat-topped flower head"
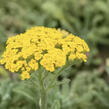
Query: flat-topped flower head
(42, 46)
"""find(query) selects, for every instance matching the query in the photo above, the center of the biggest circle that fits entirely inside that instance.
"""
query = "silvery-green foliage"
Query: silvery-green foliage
(86, 91)
(12, 97)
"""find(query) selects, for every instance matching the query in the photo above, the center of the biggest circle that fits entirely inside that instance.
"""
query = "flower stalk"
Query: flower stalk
(43, 92)
(43, 99)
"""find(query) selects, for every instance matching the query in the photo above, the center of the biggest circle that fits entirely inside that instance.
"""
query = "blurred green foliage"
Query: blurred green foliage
(89, 19)
(86, 91)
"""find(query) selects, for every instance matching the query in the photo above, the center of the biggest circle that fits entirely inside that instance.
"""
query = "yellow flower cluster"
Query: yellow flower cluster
(48, 47)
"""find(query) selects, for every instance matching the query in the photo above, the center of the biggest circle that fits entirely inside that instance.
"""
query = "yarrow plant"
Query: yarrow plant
(44, 51)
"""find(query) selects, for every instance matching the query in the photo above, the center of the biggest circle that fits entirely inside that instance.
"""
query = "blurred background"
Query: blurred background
(89, 19)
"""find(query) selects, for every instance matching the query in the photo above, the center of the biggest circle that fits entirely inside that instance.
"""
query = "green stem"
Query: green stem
(43, 93)
(43, 100)
(44, 90)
